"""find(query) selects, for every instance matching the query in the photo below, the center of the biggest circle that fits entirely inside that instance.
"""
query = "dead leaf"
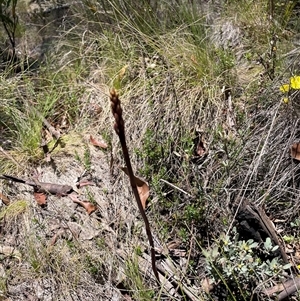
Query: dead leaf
(89, 207)
(201, 150)
(127, 297)
(94, 109)
(142, 187)
(10, 251)
(48, 158)
(98, 143)
(54, 239)
(295, 151)
(123, 71)
(84, 182)
(174, 244)
(194, 60)
(144, 192)
(4, 199)
(206, 285)
(40, 198)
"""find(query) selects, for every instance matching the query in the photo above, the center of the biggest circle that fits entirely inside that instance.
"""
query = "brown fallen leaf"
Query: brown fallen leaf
(54, 239)
(142, 187)
(40, 198)
(4, 199)
(295, 151)
(89, 207)
(94, 109)
(84, 182)
(127, 297)
(123, 71)
(200, 149)
(206, 285)
(96, 142)
(194, 60)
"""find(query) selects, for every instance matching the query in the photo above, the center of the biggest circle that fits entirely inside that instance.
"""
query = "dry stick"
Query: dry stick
(176, 187)
(119, 128)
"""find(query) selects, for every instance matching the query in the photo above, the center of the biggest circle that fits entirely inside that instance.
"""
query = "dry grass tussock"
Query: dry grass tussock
(201, 151)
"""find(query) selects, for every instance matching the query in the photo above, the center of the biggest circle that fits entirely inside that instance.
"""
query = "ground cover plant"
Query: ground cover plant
(209, 92)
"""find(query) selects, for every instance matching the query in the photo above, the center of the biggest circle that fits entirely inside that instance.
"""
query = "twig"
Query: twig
(167, 269)
(120, 130)
(51, 128)
(287, 288)
(176, 187)
(46, 123)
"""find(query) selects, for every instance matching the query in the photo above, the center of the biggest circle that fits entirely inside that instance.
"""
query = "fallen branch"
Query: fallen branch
(286, 289)
(55, 189)
(120, 130)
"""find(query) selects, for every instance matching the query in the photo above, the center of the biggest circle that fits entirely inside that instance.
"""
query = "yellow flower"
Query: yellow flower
(285, 88)
(285, 100)
(295, 82)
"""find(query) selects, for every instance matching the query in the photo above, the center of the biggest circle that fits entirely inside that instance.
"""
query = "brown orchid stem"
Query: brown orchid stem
(120, 130)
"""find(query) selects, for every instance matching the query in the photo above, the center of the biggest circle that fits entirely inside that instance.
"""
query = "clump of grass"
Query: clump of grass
(135, 281)
(13, 210)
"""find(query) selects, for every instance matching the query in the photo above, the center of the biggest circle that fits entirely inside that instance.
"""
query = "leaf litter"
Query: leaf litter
(42, 189)
(54, 224)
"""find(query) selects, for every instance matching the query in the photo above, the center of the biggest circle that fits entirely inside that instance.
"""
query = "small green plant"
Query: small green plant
(86, 160)
(153, 156)
(3, 287)
(100, 242)
(12, 212)
(138, 251)
(135, 281)
(152, 153)
(183, 234)
(188, 145)
(91, 196)
(295, 223)
(94, 267)
(238, 266)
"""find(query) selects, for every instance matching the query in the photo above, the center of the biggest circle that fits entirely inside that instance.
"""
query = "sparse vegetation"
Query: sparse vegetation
(201, 86)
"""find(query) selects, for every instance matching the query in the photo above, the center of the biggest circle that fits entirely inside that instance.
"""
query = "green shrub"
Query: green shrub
(238, 267)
